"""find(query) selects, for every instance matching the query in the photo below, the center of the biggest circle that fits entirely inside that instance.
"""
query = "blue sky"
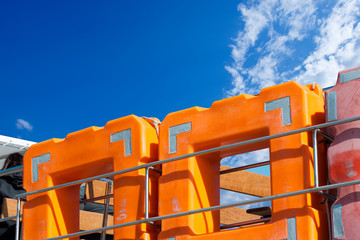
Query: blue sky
(68, 65)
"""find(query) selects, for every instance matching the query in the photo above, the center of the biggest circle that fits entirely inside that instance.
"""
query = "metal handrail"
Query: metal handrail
(314, 128)
(97, 198)
(8, 218)
(11, 170)
(203, 152)
(218, 207)
(240, 224)
(235, 169)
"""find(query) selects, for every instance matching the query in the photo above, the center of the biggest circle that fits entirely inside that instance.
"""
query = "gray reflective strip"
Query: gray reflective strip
(349, 76)
(291, 228)
(173, 131)
(172, 238)
(284, 104)
(123, 135)
(337, 221)
(35, 163)
(331, 106)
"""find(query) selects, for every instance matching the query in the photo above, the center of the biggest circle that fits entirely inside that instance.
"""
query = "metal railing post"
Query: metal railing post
(17, 236)
(147, 193)
(315, 153)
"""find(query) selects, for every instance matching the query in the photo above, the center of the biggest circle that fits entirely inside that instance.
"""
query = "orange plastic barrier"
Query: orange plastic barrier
(122, 143)
(342, 101)
(193, 183)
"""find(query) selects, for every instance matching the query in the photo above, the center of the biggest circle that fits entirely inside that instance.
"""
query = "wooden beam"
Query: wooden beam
(235, 214)
(88, 220)
(9, 206)
(245, 182)
(92, 220)
(96, 189)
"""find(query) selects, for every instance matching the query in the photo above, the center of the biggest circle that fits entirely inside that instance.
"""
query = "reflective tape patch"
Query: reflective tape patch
(338, 227)
(35, 165)
(291, 228)
(173, 131)
(331, 106)
(123, 135)
(349, 76)
(284, 104)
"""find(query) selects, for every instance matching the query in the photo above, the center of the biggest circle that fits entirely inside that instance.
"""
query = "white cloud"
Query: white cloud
(237, 82)
(338, 46)
(22, 124)
(247, 158)
(263, 74)
(303, 40)
(255, 19)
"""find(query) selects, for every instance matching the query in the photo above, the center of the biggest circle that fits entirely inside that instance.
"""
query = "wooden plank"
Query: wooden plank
(88, 220)
(92, 220)
(9, 206)
(245, 182)
(235, 214)
(96, 189)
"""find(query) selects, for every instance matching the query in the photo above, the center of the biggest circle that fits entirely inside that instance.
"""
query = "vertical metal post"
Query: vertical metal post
(17, 236)
(315, 153)
(147, 193)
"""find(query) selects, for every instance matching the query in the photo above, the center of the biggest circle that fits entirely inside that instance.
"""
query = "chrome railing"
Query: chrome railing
(148, 166)
(11, 170)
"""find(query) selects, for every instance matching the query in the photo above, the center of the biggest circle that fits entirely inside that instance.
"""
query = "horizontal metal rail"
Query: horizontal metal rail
(11, 170)
(244, 167)
(203, 152)
(8, 218)
(240, 224)
(153, 219)
(97, 198)
(314, 128)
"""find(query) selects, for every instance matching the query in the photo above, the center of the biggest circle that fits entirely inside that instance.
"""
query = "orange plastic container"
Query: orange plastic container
(122, 143)
(343, 101)
(193, 183)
